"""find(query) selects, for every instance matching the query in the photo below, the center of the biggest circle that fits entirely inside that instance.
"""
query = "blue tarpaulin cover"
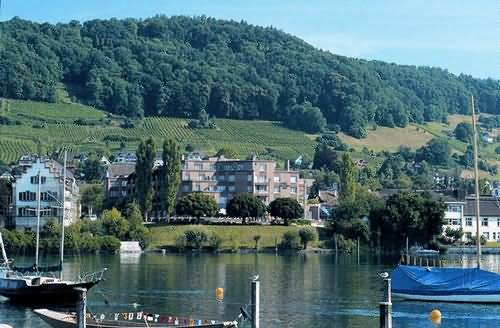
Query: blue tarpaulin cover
(417, 280)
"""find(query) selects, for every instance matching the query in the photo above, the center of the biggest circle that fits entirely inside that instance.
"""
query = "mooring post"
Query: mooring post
(386, 305)
(255, 303)
(81, 311)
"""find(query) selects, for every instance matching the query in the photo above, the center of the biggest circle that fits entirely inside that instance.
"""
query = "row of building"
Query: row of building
(219, 177)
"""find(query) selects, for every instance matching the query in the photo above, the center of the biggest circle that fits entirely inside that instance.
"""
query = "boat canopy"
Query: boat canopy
(418, 280)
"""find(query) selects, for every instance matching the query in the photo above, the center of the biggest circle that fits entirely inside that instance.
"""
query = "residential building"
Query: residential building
(222, 178)
(463, 215)
(116, 180)
(25, 194)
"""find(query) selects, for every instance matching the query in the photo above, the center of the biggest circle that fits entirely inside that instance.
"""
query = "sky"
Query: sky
(462, 36)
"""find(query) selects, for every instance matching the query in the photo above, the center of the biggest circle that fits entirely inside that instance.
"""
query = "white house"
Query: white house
(25, 191)
(463, 215)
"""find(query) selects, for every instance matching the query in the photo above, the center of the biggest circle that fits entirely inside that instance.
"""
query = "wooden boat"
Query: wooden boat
(69, 320)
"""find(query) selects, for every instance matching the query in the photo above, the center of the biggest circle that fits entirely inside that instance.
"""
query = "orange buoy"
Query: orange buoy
(219, 293)
(435, 316)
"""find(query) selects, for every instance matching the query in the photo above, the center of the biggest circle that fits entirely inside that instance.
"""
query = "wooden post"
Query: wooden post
(255, 304)
(386, 306)
(81, 312)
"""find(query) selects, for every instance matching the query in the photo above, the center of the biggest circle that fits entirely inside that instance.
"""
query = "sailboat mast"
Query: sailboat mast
(4, 254)
(63, 216)
(476, 178)
(38, 217)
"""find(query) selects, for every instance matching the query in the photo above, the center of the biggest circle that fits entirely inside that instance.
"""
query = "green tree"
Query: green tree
(114, 224)
(306, 117)
(195, 238)
(435, 152)
(325, 157)
(290, 240)
(197, 205)
(245, 206)
(307, 235)
(464, 132)
(91, 169)
(136, 230)
(92, 198)
(146, 153)
(413, 215)
(285, 208)
(171, 174)
(348, 184)
(5, 191)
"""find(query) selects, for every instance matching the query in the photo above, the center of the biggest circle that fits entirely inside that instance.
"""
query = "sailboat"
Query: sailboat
(467, 285)
(33, 287)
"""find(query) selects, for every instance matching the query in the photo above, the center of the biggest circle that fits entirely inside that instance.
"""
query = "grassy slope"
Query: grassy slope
(166, 235)
(263, 138)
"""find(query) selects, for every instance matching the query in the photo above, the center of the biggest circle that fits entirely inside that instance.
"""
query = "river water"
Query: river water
(306, 290)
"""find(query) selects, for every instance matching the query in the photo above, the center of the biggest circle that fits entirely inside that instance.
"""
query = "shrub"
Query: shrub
(195, 238)
(215, 242)
(110, 244)
(180, 243)
(257, 238)
(307, 235)
(290, 240)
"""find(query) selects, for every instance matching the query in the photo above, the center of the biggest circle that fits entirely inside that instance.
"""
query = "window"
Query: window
(293, 190)
(487, 235)
(222, 201)
(484, 222)
(249, 177)
(212, 167)
(198, 166)
(250, 189)
(231, 188)
(468, 222)
(498, 222)
(468, 235)
(197, 187)
(261, 189)
(230, 178)
(293, 179)
(240, 167)
(202, 177)
(124, 183)
(456, 222)
(276, 179)
(276, 189)
(221, 188)
(494, 236)
(454, 208)
(185, 188)
(185, 176)
(34, 179)
(212, 188)
(220, 177)
(262, 167)
(261, 178)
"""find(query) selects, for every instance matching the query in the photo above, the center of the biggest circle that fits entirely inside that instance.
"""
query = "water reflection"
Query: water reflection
(305, 290)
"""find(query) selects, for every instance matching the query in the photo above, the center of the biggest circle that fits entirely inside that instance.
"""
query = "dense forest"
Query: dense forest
(179, 66)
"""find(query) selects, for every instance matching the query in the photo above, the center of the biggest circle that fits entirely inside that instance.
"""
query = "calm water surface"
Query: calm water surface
(296, 291)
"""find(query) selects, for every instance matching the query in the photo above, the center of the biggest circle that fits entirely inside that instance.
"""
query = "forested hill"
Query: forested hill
(178, 66)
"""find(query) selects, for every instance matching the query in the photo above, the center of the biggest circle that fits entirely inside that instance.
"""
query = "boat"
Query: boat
(30, 286)
(69, 320)
(467, 285)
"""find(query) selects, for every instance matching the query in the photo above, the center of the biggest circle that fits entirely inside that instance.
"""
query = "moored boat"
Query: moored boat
(69, 320)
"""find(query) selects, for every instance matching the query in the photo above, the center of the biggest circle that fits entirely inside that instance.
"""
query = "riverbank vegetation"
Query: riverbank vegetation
(84, 236)
(232, 237)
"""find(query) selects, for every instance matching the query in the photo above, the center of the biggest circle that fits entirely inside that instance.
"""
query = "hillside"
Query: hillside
(56, 126)
(175, 67)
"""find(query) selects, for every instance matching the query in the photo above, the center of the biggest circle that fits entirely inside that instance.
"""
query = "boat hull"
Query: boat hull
(53, 293)
(485, 298)
(64, 320)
